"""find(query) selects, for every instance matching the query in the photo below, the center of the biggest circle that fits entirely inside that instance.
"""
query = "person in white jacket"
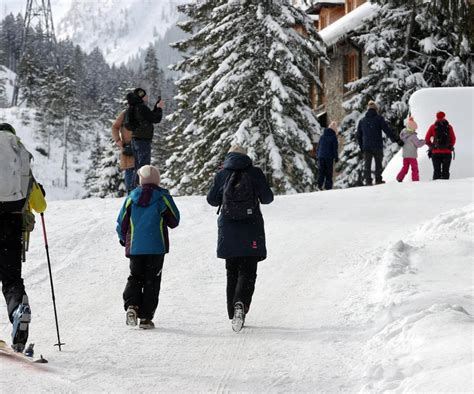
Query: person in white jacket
(410, 150)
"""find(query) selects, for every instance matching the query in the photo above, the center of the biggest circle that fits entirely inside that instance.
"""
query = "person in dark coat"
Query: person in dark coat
(327, 155)
(240, 242)
(140, 122)
(369, 137)
(440, 152)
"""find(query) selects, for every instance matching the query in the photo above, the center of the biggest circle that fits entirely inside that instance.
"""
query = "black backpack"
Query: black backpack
(130, 120)
(442, 139)
(239, 201)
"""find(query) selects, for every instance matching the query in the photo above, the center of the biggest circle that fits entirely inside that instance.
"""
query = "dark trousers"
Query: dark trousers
(142, 154)
(241, 277)
(10, 261)
(441, 164)
(143, 285)
(377, 155)
(325, 171)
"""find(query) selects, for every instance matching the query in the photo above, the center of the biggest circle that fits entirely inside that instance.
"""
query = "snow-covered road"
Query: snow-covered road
(319, 311)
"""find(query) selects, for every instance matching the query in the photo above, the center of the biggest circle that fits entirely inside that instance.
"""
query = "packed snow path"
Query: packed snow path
(308, 327)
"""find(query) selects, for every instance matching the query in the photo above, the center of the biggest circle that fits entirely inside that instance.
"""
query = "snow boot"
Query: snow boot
(131, 319)
(146, 324)
(239, 317)
(21, 321)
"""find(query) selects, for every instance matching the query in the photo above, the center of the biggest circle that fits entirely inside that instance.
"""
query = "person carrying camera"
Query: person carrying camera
(139, 119)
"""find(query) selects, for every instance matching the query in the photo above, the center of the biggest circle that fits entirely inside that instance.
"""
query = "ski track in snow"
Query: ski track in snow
(333, 304)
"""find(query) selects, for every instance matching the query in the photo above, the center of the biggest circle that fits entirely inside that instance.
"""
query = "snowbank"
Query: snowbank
(458, 104)
(423, 307)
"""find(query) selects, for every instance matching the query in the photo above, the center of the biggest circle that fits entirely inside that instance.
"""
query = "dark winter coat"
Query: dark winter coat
(328, 145)
(369, 131)
(143, 116)
(240, 238)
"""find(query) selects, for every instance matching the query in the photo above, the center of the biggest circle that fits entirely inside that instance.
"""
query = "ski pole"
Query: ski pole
(51, 281)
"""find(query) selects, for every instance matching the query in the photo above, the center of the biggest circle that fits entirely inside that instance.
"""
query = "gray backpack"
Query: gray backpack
(15, 173)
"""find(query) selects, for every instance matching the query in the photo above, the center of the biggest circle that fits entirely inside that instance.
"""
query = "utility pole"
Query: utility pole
(38, 11)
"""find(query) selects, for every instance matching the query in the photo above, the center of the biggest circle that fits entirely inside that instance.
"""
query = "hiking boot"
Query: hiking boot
(381, 182)
(239, 317)
(21, 321)
(146, 324)
(131, 319)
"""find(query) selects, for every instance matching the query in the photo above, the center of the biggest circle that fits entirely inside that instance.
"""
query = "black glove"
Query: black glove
(122, 242)
(42, 189)
(400, 142)
(429, 153)
(451, 148)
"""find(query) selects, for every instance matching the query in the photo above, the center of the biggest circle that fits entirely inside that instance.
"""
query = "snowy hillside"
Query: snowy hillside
(364, 289)
(120, 28)
(48, 171)
(9, 78)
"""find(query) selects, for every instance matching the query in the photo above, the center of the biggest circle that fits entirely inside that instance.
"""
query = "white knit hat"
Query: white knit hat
(149, 174)
(238, 149)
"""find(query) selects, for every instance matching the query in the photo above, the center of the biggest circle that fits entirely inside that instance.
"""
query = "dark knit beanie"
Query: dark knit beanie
(7, 127)
(140, 92)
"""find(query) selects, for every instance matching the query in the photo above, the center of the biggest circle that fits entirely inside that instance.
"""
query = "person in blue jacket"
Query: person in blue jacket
(142, 227)
(327, 155)
(240, 242)
(369, 137)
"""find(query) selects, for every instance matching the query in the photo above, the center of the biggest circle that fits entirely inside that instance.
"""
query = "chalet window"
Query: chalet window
(350, 5)
(351, 69)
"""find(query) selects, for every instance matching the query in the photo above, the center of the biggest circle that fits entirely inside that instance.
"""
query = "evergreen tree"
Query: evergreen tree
(407, 47)
(247, 81)
(153, 75)
(91, 181)
(109, 178)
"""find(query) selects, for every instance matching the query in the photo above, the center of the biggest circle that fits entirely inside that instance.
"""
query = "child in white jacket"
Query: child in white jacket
(410, 151)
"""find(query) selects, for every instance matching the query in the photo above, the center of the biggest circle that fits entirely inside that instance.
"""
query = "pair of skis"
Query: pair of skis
(27, 356)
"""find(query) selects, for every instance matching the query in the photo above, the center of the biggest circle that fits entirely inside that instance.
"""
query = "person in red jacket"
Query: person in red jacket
(440, 139)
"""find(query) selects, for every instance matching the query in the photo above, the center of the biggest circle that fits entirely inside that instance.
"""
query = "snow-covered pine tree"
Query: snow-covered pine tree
(445, 42)
(407, 47)
(91, 184)
(247, 78)
(152, 74)
(108, 177)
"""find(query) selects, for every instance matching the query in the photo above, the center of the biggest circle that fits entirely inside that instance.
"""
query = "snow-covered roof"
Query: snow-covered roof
(339, 29)
(317, 5)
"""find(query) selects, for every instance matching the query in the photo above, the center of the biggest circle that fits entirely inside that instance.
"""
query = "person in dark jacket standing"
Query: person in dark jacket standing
(240, 242)
(441, 139)
(327, 155)
(140, 120)
(369, 137)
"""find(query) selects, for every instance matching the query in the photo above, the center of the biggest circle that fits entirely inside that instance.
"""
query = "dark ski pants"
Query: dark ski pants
(325, 171)
(441, 164)
(10, 261)
(377, 155)
(142, 153)
(143, 285)
(241, 277)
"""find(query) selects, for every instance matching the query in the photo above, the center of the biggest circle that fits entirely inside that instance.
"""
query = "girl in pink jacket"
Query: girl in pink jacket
(410, 148)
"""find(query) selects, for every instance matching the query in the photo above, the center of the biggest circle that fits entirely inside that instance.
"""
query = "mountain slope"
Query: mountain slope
(366, 288)
(120, 29)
